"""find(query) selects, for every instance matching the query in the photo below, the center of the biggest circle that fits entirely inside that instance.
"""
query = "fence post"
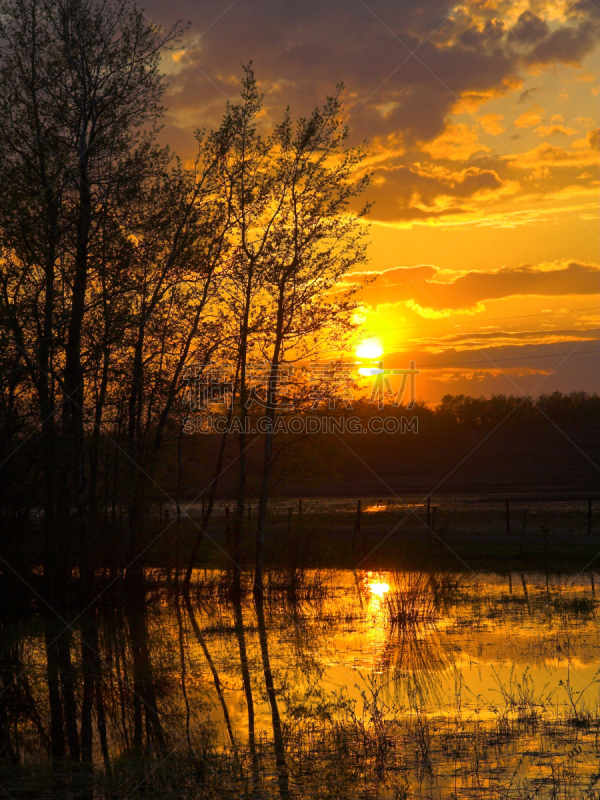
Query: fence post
(523, 529)
(508, 517)
(525, 592)
(356, 531)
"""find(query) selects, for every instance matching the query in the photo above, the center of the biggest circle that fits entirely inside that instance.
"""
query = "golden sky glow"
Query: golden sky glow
(484, 150)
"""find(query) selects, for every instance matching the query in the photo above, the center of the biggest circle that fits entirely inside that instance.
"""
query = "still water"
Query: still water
(369, 685)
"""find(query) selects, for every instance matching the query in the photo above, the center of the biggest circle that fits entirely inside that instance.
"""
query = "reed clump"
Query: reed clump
(418, 597)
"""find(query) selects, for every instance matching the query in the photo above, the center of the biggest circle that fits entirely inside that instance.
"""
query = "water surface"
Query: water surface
(340, 685)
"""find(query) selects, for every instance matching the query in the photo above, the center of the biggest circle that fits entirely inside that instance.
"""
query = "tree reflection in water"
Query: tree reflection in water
(342, 688)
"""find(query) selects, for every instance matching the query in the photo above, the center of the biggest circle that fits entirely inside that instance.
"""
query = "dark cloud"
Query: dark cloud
(582, 8)
(464, 56)
(565, 45)
(516, 336)
(302, 50)
(490, 35)
(526, 96)
(529, 29)
(593, 137)
(410, 192)
(406, 188)
(419, 285)
(412, 214)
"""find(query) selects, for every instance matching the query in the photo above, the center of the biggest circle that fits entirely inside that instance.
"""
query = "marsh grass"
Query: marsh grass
(412, 600)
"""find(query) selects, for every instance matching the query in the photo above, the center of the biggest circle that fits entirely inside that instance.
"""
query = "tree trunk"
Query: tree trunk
(268, 452)
(280, 757)
(247, 684)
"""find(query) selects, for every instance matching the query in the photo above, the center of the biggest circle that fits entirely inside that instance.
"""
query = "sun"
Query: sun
(369, 348)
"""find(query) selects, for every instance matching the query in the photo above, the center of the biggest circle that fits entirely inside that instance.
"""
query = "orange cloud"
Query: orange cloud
(420, 288)
(492, 123)
(555, 130)
(591, 141)
(457, 143)
(531, 117)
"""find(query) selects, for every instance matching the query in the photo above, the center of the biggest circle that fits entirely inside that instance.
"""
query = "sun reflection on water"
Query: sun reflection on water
(378, 587)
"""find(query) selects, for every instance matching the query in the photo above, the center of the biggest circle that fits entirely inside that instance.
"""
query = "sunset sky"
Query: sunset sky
(483, 126)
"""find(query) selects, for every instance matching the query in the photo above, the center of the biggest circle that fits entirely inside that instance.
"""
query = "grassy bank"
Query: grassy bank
(541, 537)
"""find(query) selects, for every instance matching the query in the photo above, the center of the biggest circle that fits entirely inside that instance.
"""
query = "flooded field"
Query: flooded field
(450, 503)
(341, 684)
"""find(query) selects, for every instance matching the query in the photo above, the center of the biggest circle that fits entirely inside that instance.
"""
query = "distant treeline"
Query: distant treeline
(483, 412)
(464, 411)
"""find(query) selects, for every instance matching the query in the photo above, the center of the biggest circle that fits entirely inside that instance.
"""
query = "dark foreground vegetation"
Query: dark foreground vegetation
(123, 271)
